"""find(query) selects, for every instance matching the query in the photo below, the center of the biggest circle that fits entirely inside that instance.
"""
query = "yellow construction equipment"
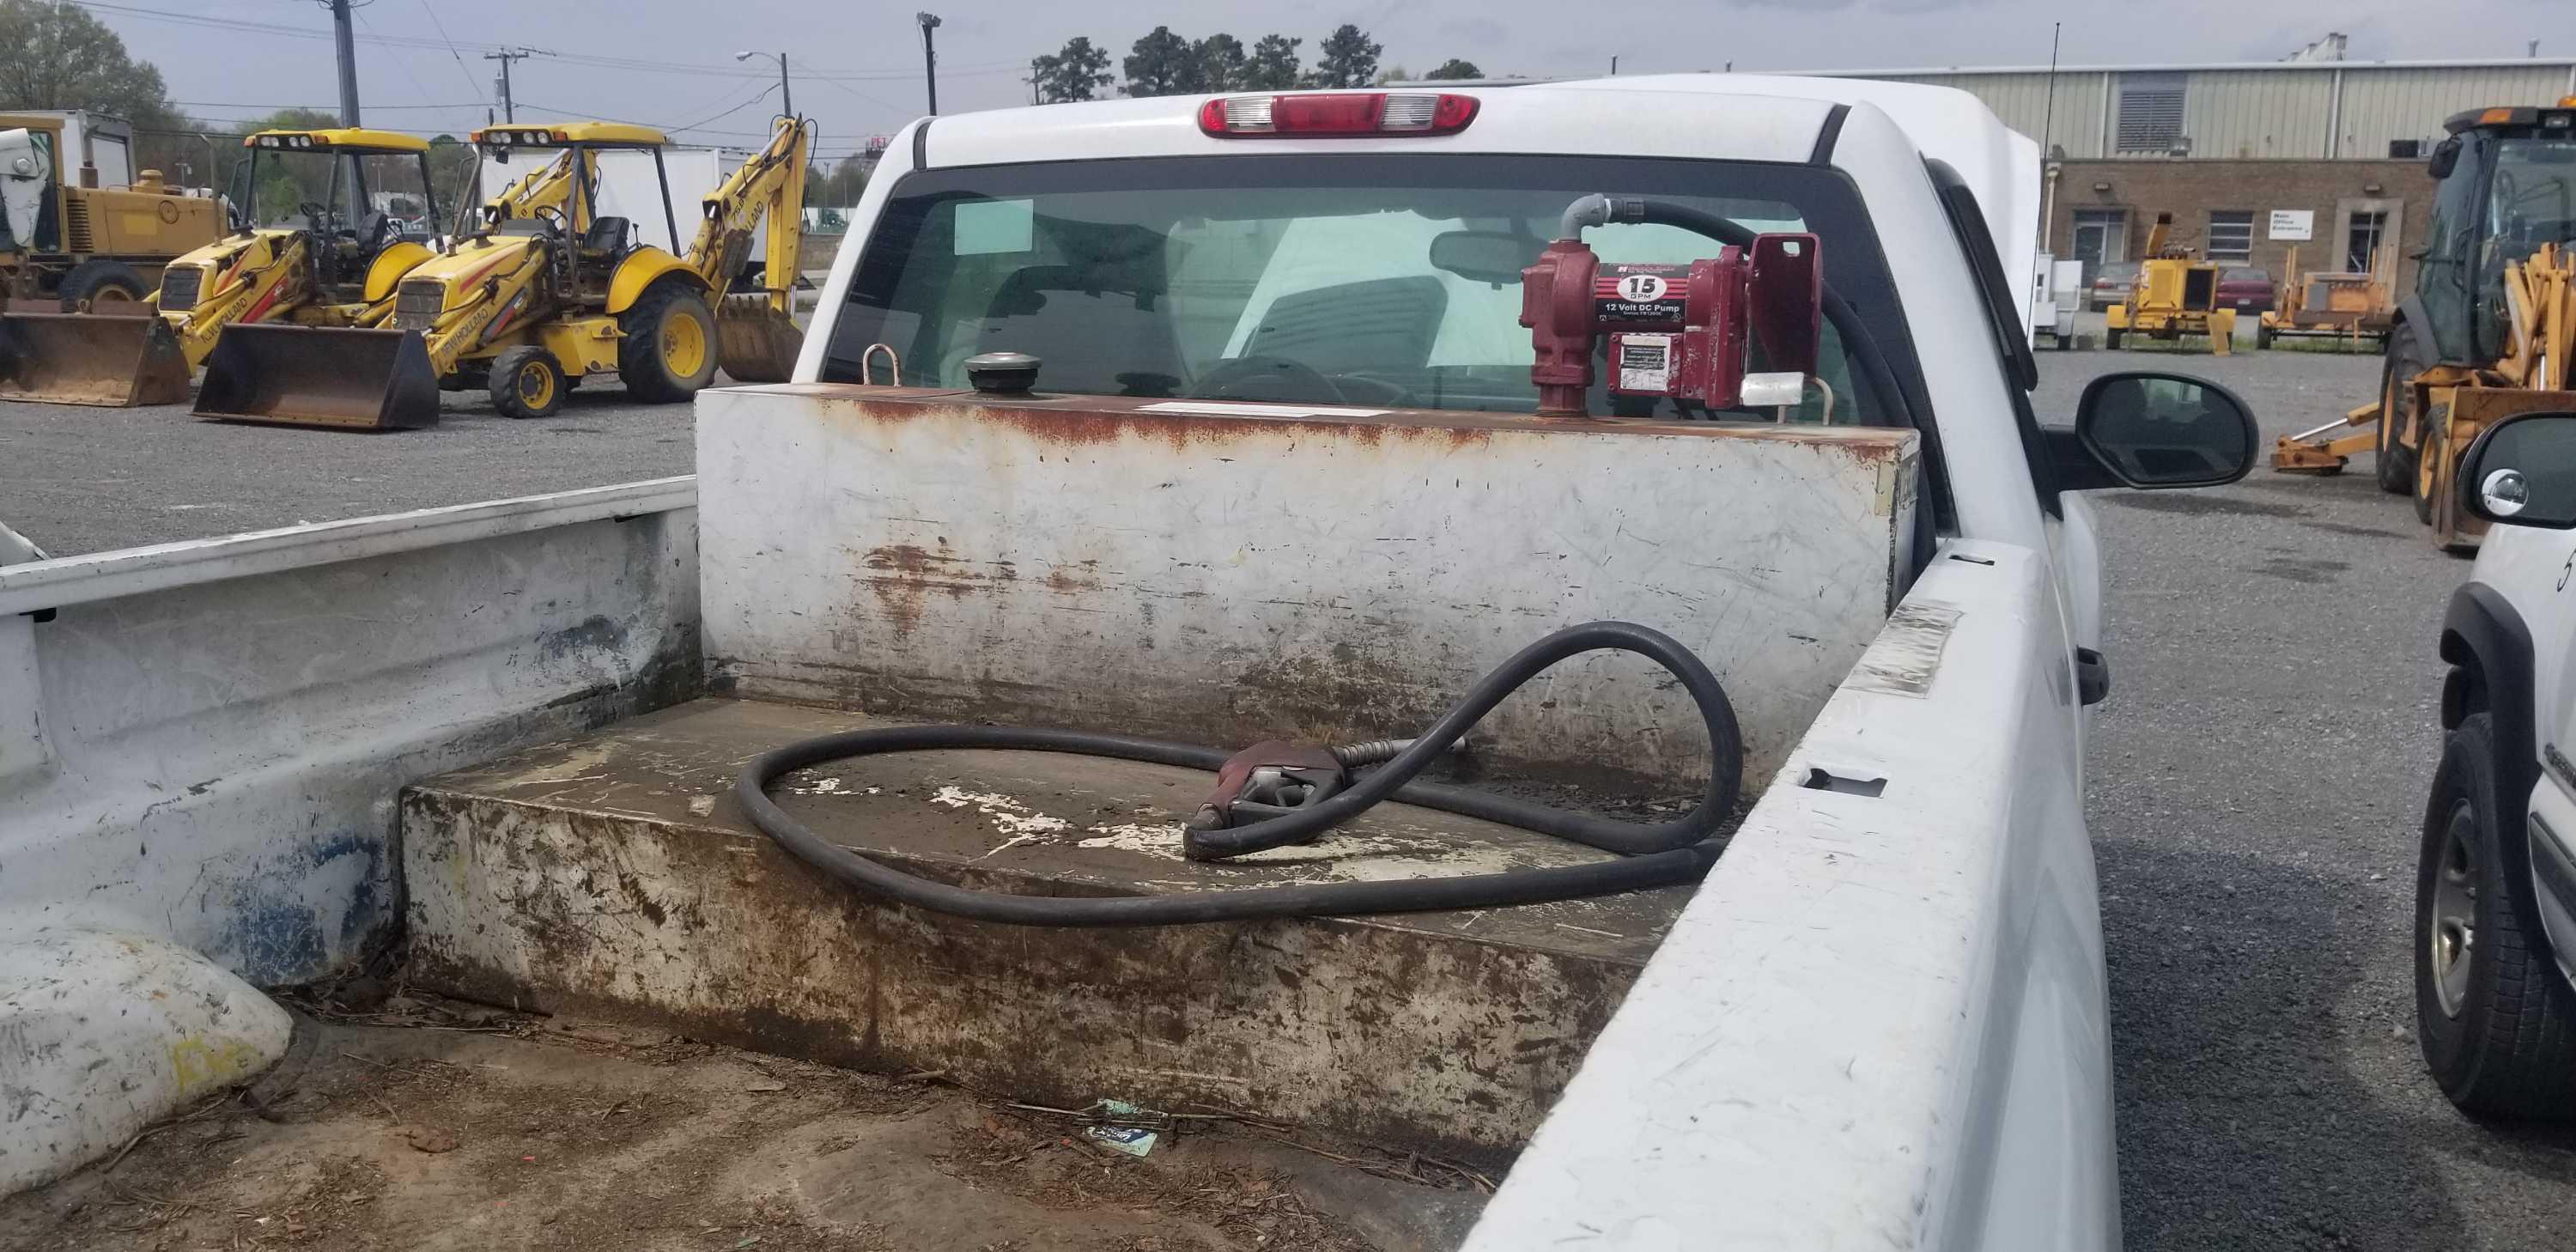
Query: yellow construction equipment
(301, 251)
(2175, 295)
(540, 291)
(2491, 325)
(2347, 305)
(69, 247)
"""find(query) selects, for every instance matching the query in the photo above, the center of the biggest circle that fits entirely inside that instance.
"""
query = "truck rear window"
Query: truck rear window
(1372, 279)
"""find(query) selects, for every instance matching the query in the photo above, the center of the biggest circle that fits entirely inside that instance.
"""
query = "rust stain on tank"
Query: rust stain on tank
(905, 573)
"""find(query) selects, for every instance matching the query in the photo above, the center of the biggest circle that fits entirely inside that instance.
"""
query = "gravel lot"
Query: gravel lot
(77, 479)
(2256, 781)
(2256, 778)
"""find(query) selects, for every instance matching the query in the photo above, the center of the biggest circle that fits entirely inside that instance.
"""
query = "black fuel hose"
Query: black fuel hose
(1654, 855)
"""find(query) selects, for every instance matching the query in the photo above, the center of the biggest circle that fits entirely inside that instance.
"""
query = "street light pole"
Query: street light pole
(786, 99)
(929, 58)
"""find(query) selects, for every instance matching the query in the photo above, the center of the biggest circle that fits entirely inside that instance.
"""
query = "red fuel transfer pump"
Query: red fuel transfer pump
(1684, 332)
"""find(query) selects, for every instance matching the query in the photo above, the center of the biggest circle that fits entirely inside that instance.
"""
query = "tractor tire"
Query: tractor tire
(2496, 1022)
(668, 350)
(2428, 457)
(2111, 340)
(2262, 337)
(2396, 403)
(526, 382)
(99, 282)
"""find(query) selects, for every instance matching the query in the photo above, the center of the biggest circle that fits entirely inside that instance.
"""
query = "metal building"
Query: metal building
(2249, 110)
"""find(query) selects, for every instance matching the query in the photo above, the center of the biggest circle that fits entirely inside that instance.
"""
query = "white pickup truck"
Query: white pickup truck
(1285, 472)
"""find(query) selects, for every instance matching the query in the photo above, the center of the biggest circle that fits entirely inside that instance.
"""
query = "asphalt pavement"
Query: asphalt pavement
(2256, 783)
(76, 479)
(2256, 778)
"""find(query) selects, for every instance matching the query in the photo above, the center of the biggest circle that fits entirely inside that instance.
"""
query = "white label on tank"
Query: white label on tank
(1641, 287)
(1645, 361)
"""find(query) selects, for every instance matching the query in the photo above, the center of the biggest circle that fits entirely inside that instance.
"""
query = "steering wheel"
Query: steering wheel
(1218, 383)
(317, 214)
(552, 217)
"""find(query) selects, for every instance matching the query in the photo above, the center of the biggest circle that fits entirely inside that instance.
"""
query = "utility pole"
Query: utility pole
(509, 110)
(929, 58)
(346, 42)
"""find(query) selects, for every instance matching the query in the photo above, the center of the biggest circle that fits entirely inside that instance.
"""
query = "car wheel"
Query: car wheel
(2496, 1021)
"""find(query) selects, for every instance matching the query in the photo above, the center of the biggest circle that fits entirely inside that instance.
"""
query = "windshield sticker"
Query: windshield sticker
(985, 227)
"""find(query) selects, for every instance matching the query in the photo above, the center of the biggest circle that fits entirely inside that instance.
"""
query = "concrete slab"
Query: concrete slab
(615, 875)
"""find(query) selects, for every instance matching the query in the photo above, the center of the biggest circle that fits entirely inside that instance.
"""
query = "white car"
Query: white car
(2495, 912)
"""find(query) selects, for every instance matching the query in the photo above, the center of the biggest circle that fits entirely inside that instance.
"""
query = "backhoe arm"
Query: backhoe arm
(771, 183)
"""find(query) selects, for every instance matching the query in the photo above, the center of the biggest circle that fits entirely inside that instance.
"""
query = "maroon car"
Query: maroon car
(2245, 289)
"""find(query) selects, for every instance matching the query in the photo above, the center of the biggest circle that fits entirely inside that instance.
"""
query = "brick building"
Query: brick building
(2247, 156)
(2244, 212)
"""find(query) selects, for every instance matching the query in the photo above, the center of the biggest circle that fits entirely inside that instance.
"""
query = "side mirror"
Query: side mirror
(2152, 431)
(2522, 472)
(2446, 154)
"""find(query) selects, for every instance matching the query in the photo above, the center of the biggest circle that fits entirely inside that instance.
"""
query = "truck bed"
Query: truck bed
(422, 1125)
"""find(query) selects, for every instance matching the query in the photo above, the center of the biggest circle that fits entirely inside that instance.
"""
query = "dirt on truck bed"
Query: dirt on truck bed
(435, 1125)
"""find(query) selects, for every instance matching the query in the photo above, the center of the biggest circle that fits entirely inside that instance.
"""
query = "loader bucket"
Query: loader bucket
(90, 358)
(319, 376)
(754, 342)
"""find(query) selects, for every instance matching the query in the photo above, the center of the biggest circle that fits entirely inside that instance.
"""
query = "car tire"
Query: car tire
(667, 350)
(94, 282)
(2396, 460)
(526, 383)
(2496, 1021)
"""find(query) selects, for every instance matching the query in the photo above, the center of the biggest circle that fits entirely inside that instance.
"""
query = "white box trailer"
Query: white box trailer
(630, 188)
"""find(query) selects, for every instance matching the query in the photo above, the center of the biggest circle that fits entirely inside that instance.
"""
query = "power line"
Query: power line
(461, 66)
(206, 21)
(322, 108)
(887, 106)
(359, 11)
(756, 98)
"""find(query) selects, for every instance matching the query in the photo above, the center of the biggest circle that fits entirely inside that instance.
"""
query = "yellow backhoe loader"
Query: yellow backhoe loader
(70, 246)
(2174, 296)
(297, 253)
(539, 292)
(2491, 325)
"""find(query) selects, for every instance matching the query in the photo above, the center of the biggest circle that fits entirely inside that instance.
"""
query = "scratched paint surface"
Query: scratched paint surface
(1228, 579)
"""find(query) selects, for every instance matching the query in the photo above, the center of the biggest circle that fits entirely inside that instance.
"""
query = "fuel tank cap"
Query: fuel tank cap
(1002, 373)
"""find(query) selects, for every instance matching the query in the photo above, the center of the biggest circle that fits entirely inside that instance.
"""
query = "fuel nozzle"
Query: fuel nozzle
(1264, 781)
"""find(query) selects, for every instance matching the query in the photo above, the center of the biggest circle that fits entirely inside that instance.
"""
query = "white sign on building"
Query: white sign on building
(2294, 225)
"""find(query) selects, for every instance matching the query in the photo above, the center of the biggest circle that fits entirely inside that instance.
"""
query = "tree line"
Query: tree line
(1164, 63)
(59, 57)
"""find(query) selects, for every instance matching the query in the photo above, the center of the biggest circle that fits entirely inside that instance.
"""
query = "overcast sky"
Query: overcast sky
(858, 66)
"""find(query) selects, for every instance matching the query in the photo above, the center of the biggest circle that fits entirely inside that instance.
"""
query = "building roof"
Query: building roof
(2484, 63)
(345, 137)
(557, 134)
